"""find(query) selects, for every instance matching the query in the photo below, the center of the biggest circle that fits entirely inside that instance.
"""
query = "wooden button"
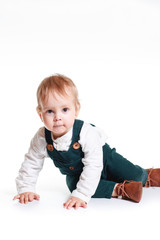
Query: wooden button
(76, 145)
(50, 147)
(71, 168)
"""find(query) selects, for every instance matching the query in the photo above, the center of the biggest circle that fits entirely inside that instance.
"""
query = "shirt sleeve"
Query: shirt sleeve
(32, 164)
(91, 143)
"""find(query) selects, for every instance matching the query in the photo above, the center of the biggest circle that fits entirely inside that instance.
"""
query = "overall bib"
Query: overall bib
(116, 168)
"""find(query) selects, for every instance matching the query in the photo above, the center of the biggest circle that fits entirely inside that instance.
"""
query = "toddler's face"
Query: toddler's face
(58, 113)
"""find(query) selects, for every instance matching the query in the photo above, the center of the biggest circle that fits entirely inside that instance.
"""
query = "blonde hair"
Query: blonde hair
(56, 83)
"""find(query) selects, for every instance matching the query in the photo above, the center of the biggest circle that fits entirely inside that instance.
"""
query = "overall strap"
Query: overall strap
(52, 152)
(48, 136)
(76, 130)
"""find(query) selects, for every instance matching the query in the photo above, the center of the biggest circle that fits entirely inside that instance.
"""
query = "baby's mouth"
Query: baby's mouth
(58, 126)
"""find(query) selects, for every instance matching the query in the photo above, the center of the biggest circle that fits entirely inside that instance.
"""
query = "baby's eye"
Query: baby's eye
(65, 109)
(49, 111)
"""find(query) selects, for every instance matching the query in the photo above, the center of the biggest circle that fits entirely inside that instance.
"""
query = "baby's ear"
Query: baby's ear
(78, 107)
(39, 113)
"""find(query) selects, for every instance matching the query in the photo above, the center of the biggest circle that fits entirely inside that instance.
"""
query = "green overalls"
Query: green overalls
(116, 168)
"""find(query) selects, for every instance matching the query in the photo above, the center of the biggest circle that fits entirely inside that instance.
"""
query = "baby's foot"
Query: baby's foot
(129, 190)
(153, 179)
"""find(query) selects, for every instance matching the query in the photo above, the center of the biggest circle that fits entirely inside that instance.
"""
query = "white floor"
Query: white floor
(103, 218)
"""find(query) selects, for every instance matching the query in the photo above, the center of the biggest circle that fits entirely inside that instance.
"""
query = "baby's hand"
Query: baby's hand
(75, 202)
(26, 197)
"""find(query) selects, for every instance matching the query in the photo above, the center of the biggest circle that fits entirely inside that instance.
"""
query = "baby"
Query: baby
(80, 152)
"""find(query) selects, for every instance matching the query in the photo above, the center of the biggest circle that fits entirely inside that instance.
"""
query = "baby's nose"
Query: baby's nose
(57, 117)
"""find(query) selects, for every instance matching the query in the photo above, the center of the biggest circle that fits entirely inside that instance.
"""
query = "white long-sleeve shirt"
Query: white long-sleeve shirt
(91, 140)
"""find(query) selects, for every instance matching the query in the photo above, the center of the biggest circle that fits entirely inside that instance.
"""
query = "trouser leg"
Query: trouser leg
(120, 169)
(104, 189)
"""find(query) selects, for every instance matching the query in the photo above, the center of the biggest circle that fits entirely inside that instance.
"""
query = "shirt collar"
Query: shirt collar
(62, 143)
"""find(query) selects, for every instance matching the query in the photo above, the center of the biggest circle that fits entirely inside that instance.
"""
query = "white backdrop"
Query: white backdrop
(111, 50)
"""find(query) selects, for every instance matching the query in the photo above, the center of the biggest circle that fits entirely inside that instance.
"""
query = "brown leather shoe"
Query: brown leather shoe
(153, 179)
(130, 190)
